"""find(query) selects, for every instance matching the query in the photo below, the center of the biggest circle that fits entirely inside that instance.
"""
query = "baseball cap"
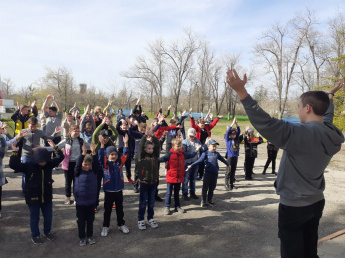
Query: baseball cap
(105, 133)
(191, 132)
(212, 142)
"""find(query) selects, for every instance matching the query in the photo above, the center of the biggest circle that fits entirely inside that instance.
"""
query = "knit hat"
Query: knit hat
(110, 149)
(41, 155)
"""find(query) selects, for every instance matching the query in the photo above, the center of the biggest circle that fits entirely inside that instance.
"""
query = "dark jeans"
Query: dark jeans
(99, 184)
(271, 156)
(298, 228)
(208, 186)
(109, 199)
(128, 162)
(248, 166)
(86, 216)
(190, 176)
(69, 179)
(136, 177)
(147, 196)
(0, 197)
(170, 187)
(47, 211)
(230, 173)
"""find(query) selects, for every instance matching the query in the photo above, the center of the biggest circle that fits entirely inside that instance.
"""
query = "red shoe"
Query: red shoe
(114, 206)
(130, 180)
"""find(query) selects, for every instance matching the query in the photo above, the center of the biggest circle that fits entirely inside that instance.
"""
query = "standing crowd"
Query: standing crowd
(93, 148)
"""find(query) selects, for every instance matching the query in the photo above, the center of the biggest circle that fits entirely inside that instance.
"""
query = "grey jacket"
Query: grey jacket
(308, 148)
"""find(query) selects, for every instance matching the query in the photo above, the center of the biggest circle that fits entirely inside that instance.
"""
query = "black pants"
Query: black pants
(248, 166)
(271, 156)
(99, 183)
(136, 176)
(201, 170)
(109, 199)
(298, 227)
(86, 216)
(230, 173)
(69, 179)
(208, 186)
(128, 162)
(0, 197)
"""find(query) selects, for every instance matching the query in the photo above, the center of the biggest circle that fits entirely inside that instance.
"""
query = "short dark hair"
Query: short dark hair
(53, 109)
(318, 100)
(87, 158)
(33, 120)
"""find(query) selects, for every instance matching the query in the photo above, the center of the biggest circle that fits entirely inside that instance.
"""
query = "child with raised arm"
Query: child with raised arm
(210, 158)
(148, 175)
(233, 138)
(308, 148)
(175, 159)
(251, 152)
(85, 193)
(113, 183)
(39, 187)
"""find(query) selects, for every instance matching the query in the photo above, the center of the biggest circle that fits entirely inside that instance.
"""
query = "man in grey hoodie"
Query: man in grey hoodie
(308, 148)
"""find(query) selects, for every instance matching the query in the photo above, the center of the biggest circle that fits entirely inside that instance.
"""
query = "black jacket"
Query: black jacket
(39, 182)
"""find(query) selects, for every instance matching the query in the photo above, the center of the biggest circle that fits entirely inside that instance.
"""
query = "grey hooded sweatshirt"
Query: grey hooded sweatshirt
(308, 148)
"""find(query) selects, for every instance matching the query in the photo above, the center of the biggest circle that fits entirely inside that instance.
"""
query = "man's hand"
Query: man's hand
(236, 83)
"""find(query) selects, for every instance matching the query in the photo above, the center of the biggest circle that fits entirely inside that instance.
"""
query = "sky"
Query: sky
(97, 40)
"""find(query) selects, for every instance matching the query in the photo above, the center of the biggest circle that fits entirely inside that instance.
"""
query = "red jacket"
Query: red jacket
(208, 128)
(161, 130)
(175, 166)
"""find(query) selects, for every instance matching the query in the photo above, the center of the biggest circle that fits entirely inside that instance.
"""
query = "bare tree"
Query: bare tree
(7, 86)
(179, 56)
(151, 69)
(61, 84)
(278, 49)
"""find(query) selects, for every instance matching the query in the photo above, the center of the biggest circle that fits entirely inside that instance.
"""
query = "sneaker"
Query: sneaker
(82, 242)
(124, 229)
(130, 180)
(37, 240)
(232, 187)
(49, 236)
(248, 178)
(166, 210)
(152, 223)
(193, 196)
(105, 231)
(158, 199)
(179, 210)
(274, 173)
(136, 190)
(185, 197)
(227, 187)
(68, 200)
(211, 203)
(56, 168)
(198, 178)
(91, 240)
(203, 204)
(141, 224)
(114, 206)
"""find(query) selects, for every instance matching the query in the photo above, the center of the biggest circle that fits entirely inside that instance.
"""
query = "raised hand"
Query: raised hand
(169, 107)
(93, 148)
(149, 131)
(22, 134)
(58, 129)
(84, 150)
(125, 138)
(51, 143)
(188, 168)
(237, 83)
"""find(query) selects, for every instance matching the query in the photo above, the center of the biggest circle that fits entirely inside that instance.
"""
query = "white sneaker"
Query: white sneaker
(141, 224)
(152, 223)
(105, 231)
(179, 210)
(166, 210)
(124, 229)
(68, 200)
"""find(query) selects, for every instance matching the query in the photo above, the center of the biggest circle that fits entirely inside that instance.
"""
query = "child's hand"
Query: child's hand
(219, 116)
(179, 126)
(190, 110)
(149, 131)
(188, 167)
(198, 148)
(58, 129)
(93, 148)
(22, 134)
(190, 116)
(149, 138)
(125, 138)
(14, 147)
(165, 133)
(51, 143)
(169, 107)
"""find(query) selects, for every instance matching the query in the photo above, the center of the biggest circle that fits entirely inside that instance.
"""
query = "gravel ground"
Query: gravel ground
(242, 224)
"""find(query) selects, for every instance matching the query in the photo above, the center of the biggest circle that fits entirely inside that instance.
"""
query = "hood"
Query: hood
(334, 138)
(41, 155)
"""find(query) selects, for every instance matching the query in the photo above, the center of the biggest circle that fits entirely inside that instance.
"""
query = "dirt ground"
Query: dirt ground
(242, 224)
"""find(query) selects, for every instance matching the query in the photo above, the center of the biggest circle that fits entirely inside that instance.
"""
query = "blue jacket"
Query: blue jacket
(232, 145)
(112, 171)
(85, 183)
(211, 161)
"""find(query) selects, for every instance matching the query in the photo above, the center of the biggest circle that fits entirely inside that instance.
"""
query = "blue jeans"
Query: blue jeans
(170, 187)
(147, 195)
(47, 211)
(190, 176)
(25, 159)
